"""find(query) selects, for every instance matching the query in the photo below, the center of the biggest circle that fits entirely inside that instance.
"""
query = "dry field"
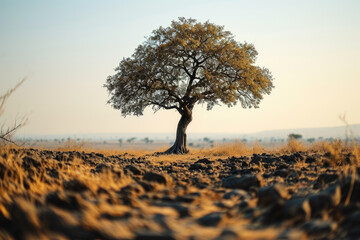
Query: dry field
(228, 192)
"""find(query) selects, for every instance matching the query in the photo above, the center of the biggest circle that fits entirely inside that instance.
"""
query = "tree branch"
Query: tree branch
(163, 105)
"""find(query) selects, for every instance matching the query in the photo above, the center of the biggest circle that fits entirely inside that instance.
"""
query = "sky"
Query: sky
(66, 50)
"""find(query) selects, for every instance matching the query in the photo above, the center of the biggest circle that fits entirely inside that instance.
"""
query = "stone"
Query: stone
(181, 209)
(335, 194)
(284, 173)
(244, 182)
(100, 167)
(319, 228)
(326, 178)
(211, 219)
(319, 202)
(228, 235)
(197, 166)
(154, 177)
(352, 221)
(346, 188)
(204, 160)
(297, 209)
(310, 159)
(133, 189)
(238, 193)
(154, 236)
(272, 194)
(133, 169)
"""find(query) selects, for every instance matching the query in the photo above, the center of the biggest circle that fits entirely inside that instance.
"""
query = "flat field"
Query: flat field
(226, 192)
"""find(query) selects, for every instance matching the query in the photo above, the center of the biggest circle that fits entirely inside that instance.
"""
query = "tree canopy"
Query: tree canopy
(187, 63)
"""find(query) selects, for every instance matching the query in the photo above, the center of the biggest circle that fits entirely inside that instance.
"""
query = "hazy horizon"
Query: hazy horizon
(67, 49)
(339, 132)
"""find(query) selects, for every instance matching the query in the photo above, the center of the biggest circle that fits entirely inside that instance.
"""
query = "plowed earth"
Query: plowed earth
(77, 195)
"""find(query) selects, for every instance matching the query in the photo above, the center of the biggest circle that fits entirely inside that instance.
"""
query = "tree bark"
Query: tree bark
(179, 146)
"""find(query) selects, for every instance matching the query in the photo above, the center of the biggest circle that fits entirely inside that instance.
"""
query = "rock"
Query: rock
(197, 166)
(211, 219)
(228, 235)
(319, 202)
(239, 193)
(244, 182)
(319, 228)
(154, 177)
(352, 221)
(147, 186)
(182, 210)
(328, 198)
(75, 185)
(204, 160)
(133, 189)
(346, 188)
(154, 236)
(272, 194)
(185, 199)
(255, 159)
(100, 167)
(133, 169)
(310, 159)
(326, 178)
(297, 209)
(293, 177)
(284, 173)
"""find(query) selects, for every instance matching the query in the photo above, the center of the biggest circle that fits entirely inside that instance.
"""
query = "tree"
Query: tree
(310, 140)
(294, 136)
(130, 140)
(185, 64)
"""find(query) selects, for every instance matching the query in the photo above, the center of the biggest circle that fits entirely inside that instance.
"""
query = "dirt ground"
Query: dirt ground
(87, 195)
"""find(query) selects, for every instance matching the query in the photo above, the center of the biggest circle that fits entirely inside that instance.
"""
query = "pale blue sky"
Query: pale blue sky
(68, 48)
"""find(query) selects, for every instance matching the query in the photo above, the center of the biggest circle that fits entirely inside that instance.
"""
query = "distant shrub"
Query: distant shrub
(294, 136)
(293, 146)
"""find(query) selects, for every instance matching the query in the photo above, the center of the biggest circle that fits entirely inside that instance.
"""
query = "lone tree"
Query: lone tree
(294, 136)
(188, 63)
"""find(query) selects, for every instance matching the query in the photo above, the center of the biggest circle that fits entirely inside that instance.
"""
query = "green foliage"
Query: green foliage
(294, 136)
(130, 140)
(187, 63)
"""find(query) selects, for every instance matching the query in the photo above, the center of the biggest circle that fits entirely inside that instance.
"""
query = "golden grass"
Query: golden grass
(235, 148)
(335, 150)
(17, 181)
(13, 187)
(294, 145)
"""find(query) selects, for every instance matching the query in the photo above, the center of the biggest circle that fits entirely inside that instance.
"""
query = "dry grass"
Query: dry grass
(29, 186)
(31, 181)
(236, 148)
(293, 146)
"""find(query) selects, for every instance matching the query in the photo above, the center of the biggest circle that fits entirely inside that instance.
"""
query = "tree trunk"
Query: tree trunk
(179, 146)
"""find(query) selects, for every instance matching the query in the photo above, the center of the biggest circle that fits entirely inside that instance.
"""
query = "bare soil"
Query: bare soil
(77, 195)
